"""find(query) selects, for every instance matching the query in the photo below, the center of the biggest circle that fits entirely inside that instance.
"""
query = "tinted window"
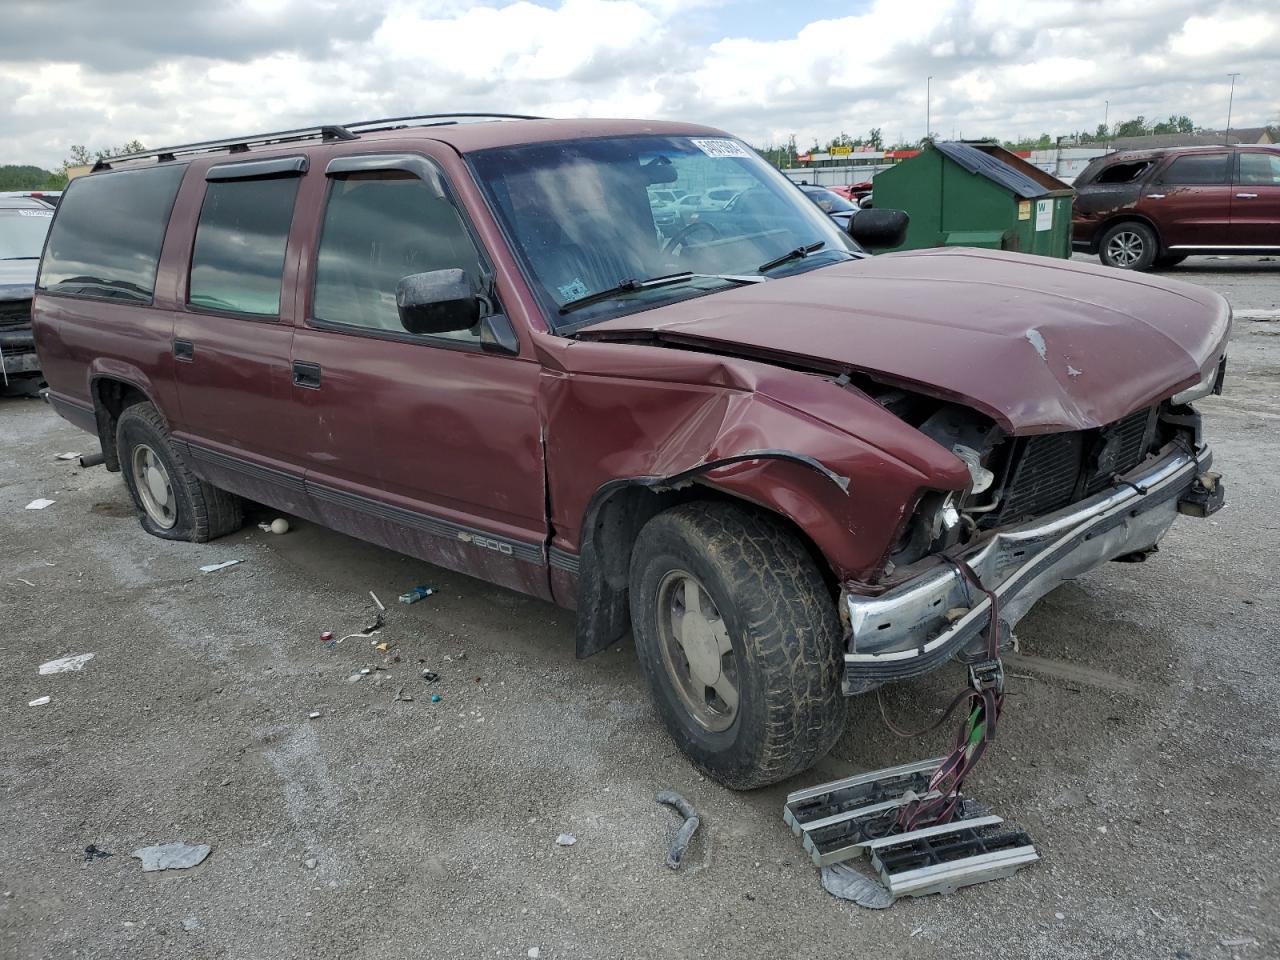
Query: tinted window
(1201, 169)
(239, 250)
(379, 228)
(105, 241)
(1260, 169)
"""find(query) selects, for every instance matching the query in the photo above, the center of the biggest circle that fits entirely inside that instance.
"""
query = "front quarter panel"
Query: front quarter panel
(631, 412)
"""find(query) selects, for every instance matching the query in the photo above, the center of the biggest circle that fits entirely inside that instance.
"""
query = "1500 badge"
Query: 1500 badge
(488, 544)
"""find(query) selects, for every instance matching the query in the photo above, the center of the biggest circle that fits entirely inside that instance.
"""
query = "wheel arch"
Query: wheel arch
(614, 517)
(112, 393)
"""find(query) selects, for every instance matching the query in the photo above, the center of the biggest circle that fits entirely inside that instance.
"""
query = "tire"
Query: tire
(188, 509)
(1169, 260)
(769, 604)
(1129, 246)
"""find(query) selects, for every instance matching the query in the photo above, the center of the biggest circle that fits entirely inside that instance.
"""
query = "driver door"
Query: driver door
(428, 444)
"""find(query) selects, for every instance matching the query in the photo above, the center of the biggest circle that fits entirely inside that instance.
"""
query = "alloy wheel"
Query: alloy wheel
(1125, 248)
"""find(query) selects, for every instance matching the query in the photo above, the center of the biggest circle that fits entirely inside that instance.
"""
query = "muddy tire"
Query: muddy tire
(1129, 246)
(740, 641)
(172, 502)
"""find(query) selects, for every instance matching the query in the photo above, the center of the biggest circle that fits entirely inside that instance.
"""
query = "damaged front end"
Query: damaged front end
(1040, 510)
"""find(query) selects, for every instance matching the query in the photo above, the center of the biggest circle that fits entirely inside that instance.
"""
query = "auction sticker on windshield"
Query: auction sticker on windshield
(35, 213)
(721, 148)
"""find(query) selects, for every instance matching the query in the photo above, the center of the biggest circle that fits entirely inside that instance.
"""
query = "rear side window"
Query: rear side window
(1260, 169)
(1124, 172)
(379, 228)
(1203, 169)
(105, 241)
(238, 258)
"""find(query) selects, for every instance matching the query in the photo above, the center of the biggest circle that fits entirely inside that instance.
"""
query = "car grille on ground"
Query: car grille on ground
(1054, 469)
(15, 313)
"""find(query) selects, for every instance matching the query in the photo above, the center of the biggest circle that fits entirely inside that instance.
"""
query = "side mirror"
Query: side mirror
(439, 301)
(876, 228)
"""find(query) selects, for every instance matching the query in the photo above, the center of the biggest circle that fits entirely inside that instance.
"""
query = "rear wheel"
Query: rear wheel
(1129, 246)
(173, 503)
(740, 641)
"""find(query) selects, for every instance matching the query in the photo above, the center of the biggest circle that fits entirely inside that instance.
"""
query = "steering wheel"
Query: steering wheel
(675, 246)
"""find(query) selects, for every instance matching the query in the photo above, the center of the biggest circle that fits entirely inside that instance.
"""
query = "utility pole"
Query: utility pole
(1106, 125)
(1230, 103)
(928, 107)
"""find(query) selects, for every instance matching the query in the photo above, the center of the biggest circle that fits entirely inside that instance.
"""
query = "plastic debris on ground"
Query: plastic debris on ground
(172, 856)
(566, 840)
(377, 603)
(278, 525)
(38, 701)
(687, 829)
(69, 456)
(875, 818)
(91, 852)
(66, 664)
(416, 594)
(40, 504)
(210, 567)
(313, 715)
(436, 698)
(430, 676)
(190, 924)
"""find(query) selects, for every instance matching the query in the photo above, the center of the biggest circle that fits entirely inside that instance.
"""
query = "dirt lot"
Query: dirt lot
(1140, 747)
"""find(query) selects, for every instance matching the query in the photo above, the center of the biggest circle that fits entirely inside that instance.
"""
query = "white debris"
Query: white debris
(69, 456)
(566, 839)
(172, 856)
(66, 664)
(209, 568)
(310, 863)
(313, 715)
(191, 924)
(38, 701)
(40, 504)
(534, 953)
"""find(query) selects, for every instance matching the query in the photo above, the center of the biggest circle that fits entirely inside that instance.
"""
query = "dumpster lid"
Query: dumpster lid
(987, 164)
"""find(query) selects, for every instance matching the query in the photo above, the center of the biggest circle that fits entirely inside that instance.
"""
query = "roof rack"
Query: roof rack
(324, 133)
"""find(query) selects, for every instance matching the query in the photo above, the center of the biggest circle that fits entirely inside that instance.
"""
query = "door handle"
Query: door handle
(306, 374)
(184, 350)
(1155, 196)
(1247, 196)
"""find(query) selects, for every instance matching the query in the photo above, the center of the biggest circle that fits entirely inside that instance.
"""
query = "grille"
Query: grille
(1054, 469)
(15, 313)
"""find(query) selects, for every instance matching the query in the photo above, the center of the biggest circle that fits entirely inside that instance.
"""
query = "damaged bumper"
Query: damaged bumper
(921, 624)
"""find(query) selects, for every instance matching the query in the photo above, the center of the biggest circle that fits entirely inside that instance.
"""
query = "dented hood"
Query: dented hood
(1035, 343)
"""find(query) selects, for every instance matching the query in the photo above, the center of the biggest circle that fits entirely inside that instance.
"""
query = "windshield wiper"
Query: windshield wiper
(633, 285)
(36, 257)
(799, 253)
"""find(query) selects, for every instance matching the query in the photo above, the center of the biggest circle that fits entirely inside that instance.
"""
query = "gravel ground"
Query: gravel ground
(1140, 747)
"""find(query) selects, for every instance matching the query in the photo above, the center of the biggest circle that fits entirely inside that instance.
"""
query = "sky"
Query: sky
(173, 71)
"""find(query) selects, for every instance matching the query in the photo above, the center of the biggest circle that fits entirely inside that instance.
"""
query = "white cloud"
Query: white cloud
(1003, 67)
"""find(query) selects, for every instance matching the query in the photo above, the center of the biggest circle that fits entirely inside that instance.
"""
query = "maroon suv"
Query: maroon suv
(792, 471)
(1154, 208)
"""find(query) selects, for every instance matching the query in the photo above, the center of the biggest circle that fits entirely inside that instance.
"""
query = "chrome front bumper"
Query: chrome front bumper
(919, 625)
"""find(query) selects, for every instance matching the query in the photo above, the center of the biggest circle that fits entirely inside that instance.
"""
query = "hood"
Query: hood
(18, 279)
(1035, 343)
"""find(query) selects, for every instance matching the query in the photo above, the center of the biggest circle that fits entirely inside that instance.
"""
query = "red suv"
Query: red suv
(1154, 208)
(792, 471)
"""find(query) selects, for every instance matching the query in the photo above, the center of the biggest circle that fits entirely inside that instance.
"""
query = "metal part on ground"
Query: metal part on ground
(858, 815)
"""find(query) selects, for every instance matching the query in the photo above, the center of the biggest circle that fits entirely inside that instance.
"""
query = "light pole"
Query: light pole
(928, 106)
(1230, 103)
(1106, 124)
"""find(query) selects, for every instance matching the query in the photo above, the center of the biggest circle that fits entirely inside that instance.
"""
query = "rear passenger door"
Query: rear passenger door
(1255, 203)
(1189, 199)
(428, 444)
(232, 334)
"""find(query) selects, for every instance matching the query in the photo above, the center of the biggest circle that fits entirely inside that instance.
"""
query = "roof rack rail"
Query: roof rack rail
(233, 144)
(439, 117)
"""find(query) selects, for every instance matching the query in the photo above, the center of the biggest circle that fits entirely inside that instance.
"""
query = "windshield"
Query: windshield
(829, 202)
(584, 218)
(22, 233)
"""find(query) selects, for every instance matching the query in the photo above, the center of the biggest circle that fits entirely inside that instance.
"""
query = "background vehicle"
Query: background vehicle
(1139, 210)
(836, 207)
(24, 222)
(675, 436)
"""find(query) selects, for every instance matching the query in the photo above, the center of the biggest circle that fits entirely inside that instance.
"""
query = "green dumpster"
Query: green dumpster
(978, 195)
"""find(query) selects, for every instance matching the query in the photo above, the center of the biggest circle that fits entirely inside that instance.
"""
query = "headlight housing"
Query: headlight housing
(1210, 384)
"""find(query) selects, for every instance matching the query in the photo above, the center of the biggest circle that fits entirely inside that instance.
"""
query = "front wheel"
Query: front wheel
(1129, 246)
(740, 641)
